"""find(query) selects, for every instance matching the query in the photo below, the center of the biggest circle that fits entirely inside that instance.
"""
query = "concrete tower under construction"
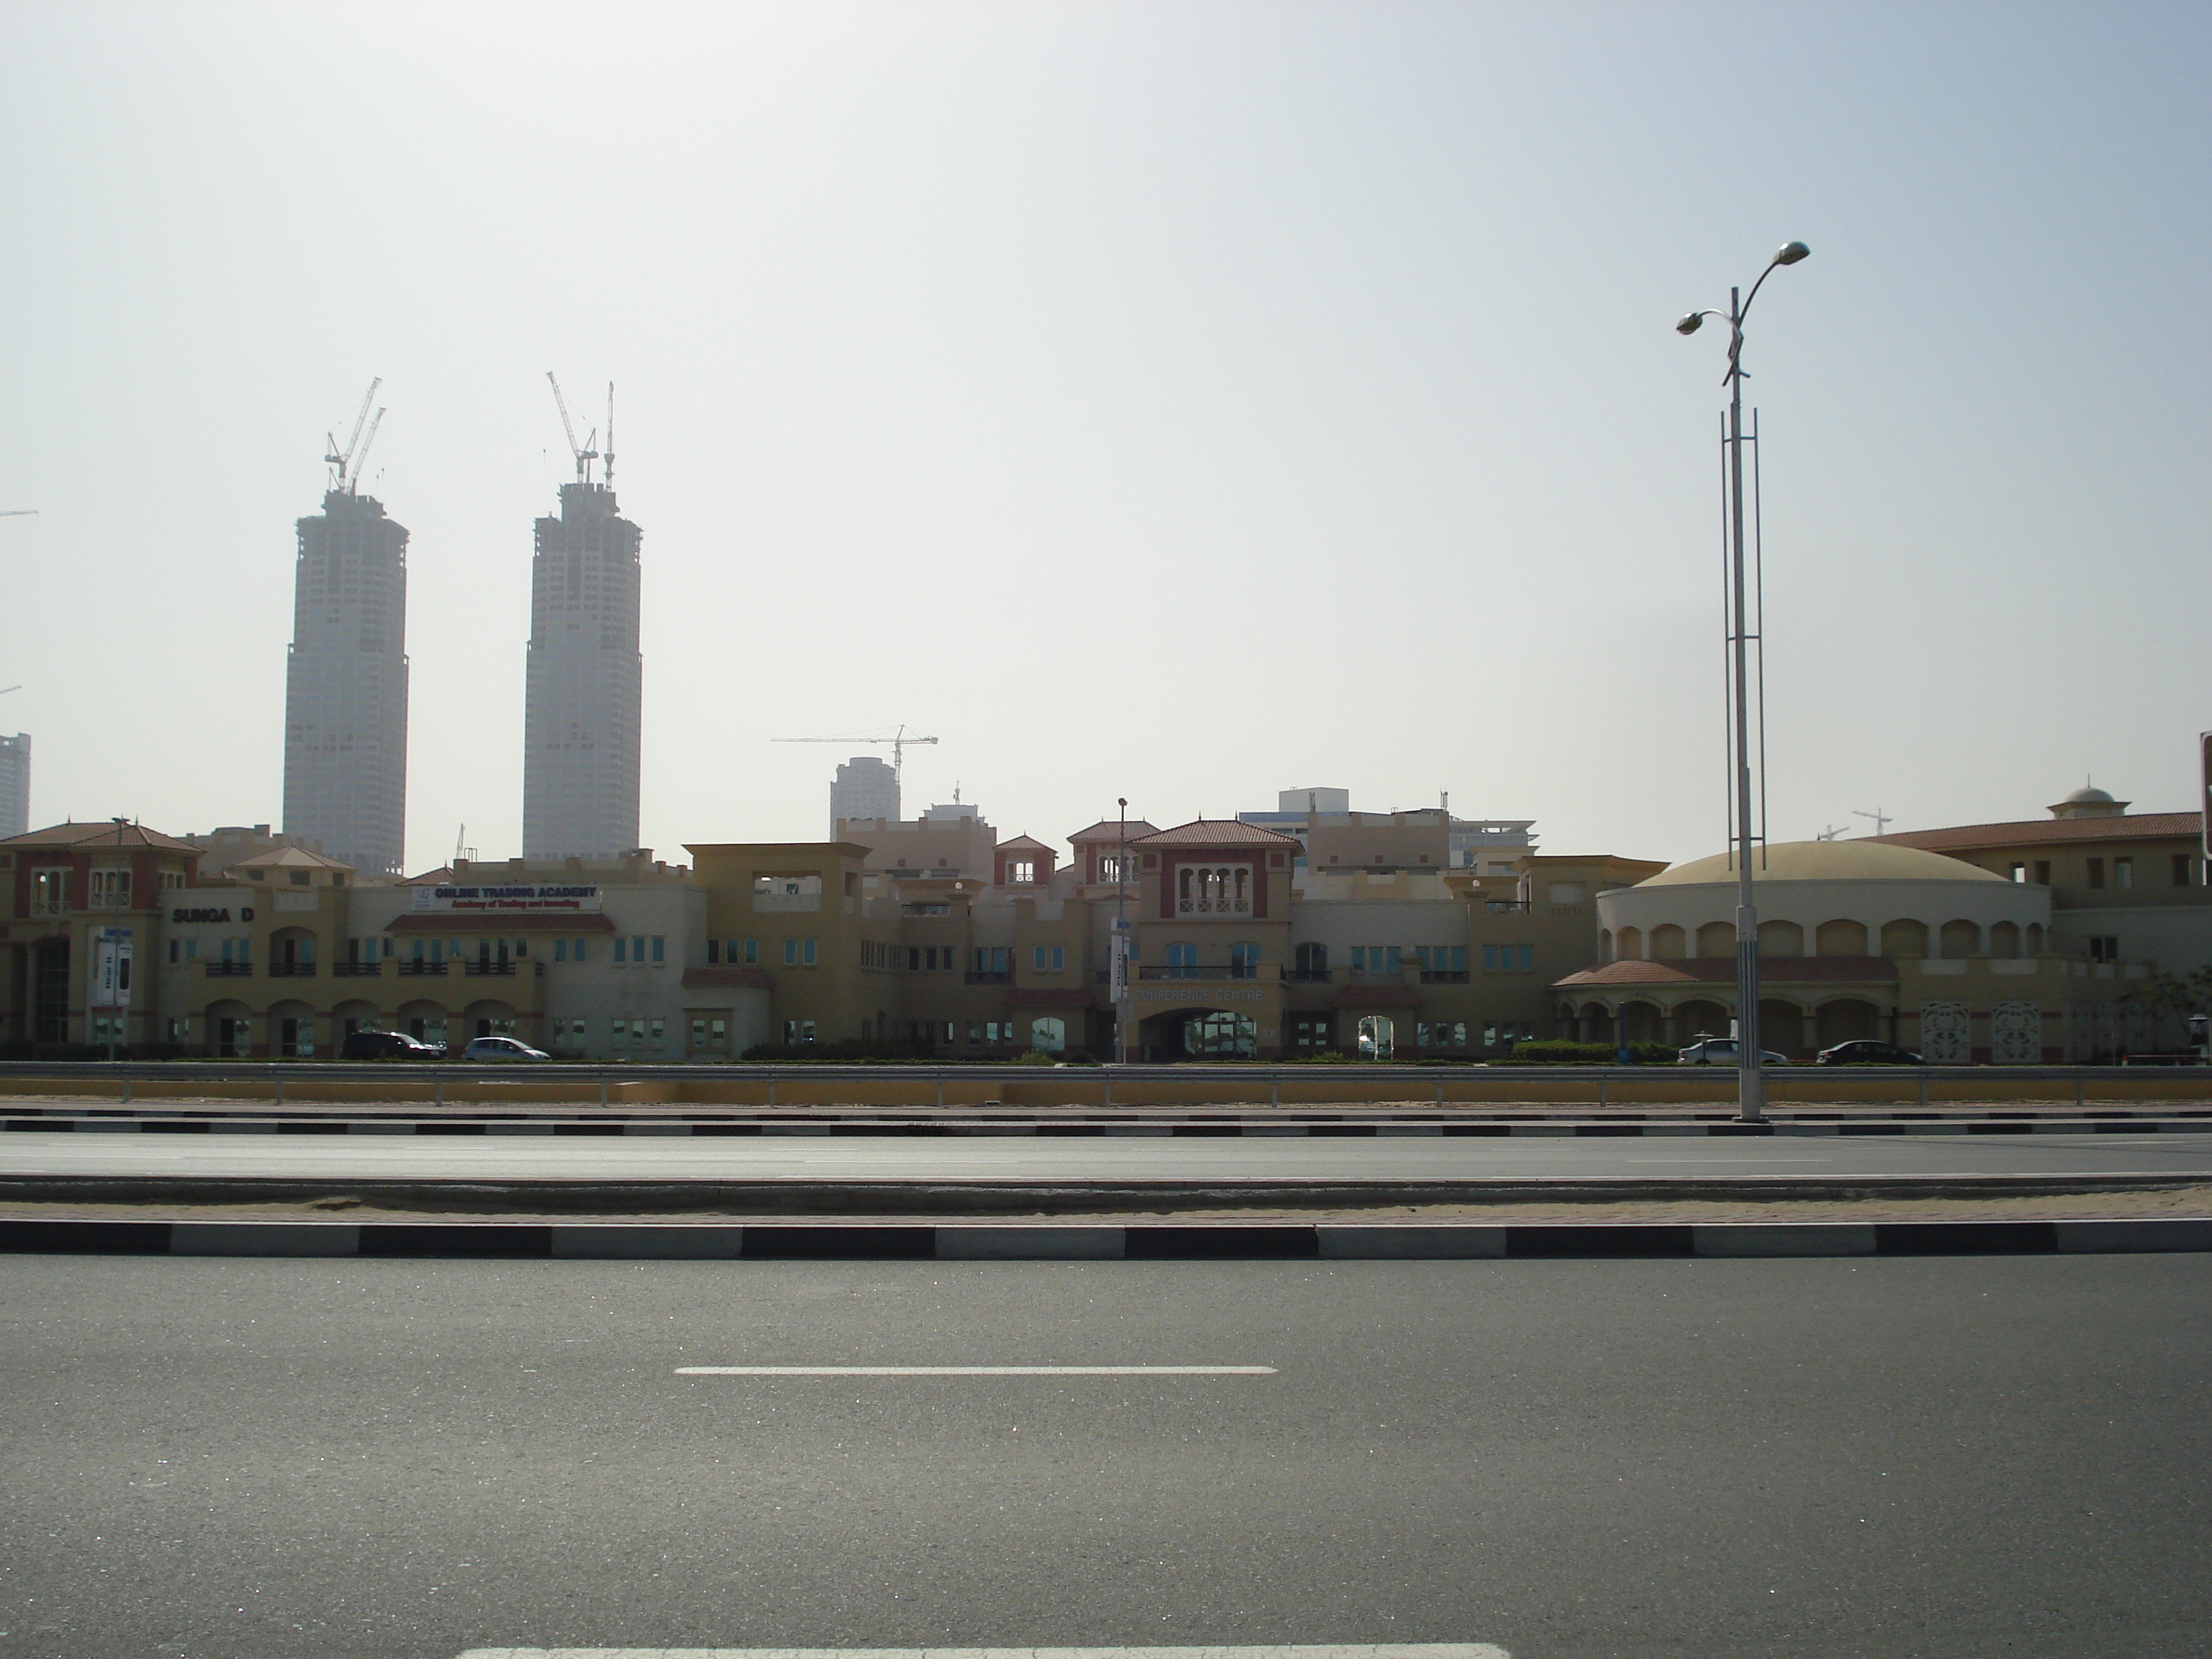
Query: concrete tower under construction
(581, 714)
(345, 679)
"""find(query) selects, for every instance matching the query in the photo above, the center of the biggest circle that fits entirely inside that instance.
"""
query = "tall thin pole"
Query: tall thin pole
(1746, 608)
(1751, 1081)
(1124, 1002)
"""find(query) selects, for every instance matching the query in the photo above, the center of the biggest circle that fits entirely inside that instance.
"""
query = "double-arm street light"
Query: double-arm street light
(1744, 692)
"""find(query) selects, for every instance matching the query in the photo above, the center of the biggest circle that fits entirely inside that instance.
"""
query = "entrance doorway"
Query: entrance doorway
(1378, 1036)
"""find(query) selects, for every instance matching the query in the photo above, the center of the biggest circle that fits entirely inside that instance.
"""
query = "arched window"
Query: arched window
(1243, 962)
(1214, 890)
(2004, 940)
(1605, 944)
(1630, 944)
(1960, 939)
(1667, 943)
(1904, 938)
(1717, 939)
(1840, 939)
(1049, 1034)
(1780, 939)
(2035, 939)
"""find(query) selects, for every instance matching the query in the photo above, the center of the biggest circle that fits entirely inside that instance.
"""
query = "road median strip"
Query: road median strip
(1163, 1243)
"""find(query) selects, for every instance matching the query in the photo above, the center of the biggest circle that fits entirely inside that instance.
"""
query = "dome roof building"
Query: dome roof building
(1856, 939)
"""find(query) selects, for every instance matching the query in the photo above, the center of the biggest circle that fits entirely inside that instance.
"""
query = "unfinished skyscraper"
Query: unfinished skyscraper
(866, 788)
(14, 785)
(345, 681)
(581, 713)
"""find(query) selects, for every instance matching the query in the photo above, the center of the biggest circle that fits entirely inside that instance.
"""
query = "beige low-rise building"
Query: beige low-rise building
(1857, 940)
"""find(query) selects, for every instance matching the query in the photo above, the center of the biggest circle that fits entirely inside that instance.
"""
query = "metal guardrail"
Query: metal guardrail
(1192, 1071)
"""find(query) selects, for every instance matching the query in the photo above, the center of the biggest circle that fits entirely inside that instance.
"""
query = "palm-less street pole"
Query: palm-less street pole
(1124, 1006)
(1742, 629)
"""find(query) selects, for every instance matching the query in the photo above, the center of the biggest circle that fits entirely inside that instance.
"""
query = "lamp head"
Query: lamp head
(1690, 324)
(1792, 253)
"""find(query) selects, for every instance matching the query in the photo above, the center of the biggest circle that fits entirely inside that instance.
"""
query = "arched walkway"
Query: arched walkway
(1200, 1034)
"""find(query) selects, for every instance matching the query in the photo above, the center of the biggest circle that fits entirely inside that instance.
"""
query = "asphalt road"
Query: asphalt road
(654, 1158)
(258, 1459)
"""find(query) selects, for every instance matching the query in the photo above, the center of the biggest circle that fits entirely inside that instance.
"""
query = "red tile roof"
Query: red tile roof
(1108, 830)
(1218, 832)
(1969, 837)
(94, 836)
(1721, 970)
(1024, 843)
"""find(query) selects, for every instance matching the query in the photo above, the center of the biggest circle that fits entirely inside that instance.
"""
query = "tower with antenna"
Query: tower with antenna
(584, 695)
(345, 679)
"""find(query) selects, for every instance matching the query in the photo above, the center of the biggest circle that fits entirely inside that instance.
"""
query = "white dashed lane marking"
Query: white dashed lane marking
(981, 1370)
(1391, 1651)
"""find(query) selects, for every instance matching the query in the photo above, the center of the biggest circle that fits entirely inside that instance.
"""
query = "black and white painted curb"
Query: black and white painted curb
(1496, 1126)
(1323, 1240)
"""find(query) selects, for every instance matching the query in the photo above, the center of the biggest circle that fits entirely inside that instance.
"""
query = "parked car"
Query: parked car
(1722, 1051)
(388, 1045)
(1866, 1052)
(491, 1047)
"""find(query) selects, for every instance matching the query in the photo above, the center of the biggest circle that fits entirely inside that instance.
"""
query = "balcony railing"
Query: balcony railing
(420, 966)
(229, 970)
(1502, 907)
(346, 969)
(1443, 976)
(1192, 970)
(1214, 906)
(486, 966)
(985, 978)
(1306, 976)
(291, 970)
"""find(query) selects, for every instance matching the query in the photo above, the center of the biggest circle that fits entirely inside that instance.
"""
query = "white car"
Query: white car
(1719, 1051)
(502, 1048)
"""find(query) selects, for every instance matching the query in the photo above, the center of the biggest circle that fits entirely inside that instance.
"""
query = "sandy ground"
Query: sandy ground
(2168, 1203)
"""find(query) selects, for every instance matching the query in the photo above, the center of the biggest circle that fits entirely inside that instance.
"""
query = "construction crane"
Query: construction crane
(20, 512)
(898, 740)
(1881, 820)
(587, 452)
(347, 465)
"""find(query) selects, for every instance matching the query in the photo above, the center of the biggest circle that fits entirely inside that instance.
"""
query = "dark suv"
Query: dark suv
(1866, 1052)
(387, 1045)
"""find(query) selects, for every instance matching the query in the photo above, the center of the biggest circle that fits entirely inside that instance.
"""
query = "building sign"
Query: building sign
(225, 914)
(110, 969)
(472, 899)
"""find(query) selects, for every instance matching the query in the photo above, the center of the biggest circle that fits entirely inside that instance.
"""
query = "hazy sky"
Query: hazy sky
(1181, 401)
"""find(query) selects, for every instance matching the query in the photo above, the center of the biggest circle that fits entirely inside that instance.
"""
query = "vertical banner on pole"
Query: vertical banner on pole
(1118, 976)
(2205, 791)
(110, 1001)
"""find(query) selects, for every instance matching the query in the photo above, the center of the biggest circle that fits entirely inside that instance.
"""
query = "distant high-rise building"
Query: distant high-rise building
(345, 682)
(581, 715)
(14, 785)
(866, 788)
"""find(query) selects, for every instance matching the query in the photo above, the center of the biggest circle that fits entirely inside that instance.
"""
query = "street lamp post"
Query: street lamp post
(1124, 1006)
(1751, 1081)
